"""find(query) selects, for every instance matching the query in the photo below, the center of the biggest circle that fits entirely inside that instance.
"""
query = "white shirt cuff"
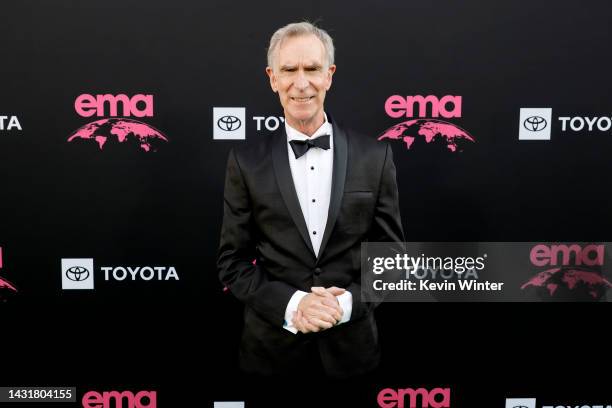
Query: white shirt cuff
(346, 303)
(292, 307)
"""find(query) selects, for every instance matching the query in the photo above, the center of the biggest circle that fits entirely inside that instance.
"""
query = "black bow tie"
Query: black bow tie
(300, 147)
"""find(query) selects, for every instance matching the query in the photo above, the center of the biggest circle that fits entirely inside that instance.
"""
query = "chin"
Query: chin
(304, 116)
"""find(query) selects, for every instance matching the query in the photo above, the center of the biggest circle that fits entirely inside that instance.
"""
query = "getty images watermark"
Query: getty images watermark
(485, 271)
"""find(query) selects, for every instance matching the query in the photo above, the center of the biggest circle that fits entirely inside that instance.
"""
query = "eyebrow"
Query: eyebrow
(310, 66)
(317, 66)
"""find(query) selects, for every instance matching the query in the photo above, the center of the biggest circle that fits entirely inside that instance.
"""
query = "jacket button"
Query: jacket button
(317, 271)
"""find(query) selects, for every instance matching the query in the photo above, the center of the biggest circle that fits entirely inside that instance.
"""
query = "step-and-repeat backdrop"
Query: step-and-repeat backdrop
(116, 119)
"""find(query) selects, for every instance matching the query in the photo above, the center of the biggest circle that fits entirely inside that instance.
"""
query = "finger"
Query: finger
(321, 323)
(300, 324)
(320, 291)
(328, 304)
(333, 303)
(330, 308)
(306, 323)
(296, 323)
(302, 328)
(298, 320)
(326, 298)
(297, 315)
(335, 312)
(311, 327)
(322, 315)
(316, 289)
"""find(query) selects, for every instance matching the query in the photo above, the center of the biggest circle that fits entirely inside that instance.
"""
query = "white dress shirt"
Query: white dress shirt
(312, 178)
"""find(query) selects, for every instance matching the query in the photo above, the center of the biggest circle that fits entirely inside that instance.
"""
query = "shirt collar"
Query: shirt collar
(293, 134)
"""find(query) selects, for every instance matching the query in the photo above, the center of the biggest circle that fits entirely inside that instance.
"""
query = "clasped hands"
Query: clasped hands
(319, 310)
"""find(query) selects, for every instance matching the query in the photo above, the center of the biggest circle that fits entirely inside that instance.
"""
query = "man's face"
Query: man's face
(301, 77)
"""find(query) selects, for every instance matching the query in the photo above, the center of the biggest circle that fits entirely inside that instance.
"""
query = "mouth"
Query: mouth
(303, 99)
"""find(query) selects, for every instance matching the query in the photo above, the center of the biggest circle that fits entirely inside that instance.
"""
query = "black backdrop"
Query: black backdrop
(122, 206)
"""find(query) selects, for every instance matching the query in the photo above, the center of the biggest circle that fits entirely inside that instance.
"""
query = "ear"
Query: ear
(272, 77)
(330, 73)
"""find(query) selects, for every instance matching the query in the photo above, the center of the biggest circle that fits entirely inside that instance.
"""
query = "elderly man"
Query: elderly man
(297, 207)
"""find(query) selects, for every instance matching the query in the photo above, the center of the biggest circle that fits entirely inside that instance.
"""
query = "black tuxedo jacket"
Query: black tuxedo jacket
(263, 221)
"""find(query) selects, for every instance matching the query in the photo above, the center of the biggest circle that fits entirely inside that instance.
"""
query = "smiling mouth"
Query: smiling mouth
(305, 99)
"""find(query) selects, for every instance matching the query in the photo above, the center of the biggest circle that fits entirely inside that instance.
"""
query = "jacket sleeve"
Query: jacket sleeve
(245, 279)
(386, 227)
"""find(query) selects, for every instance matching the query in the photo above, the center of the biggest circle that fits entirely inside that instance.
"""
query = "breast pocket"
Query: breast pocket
(356, 211)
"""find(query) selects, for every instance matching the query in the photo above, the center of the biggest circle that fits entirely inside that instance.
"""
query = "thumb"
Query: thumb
(336, 291)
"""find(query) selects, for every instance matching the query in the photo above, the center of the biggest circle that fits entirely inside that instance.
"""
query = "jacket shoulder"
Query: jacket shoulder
(253, 151)
(361, 142)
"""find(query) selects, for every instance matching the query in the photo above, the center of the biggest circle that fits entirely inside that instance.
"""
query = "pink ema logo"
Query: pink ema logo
(436, 398)
(427, 130)
(575, 270)
(117, 129)
(115, 399)
(590, 255)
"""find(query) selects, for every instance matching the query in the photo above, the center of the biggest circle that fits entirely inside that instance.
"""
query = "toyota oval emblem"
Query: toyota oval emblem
(535, 123)
(229, 123)
(77, 273)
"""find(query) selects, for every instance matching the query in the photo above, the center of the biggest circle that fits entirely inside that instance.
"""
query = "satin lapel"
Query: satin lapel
(338, 178)
(286, 186)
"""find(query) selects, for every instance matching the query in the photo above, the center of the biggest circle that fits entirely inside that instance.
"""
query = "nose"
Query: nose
(301, 82)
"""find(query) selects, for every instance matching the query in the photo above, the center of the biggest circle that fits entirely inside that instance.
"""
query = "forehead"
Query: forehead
(304, 49)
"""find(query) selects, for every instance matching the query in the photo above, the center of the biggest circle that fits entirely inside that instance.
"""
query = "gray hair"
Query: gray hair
(299, 29)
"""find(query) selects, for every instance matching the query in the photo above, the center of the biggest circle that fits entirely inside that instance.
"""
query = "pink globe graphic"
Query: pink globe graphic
(429, 131)
(120, 130)
(6, 290)
(569, 284)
